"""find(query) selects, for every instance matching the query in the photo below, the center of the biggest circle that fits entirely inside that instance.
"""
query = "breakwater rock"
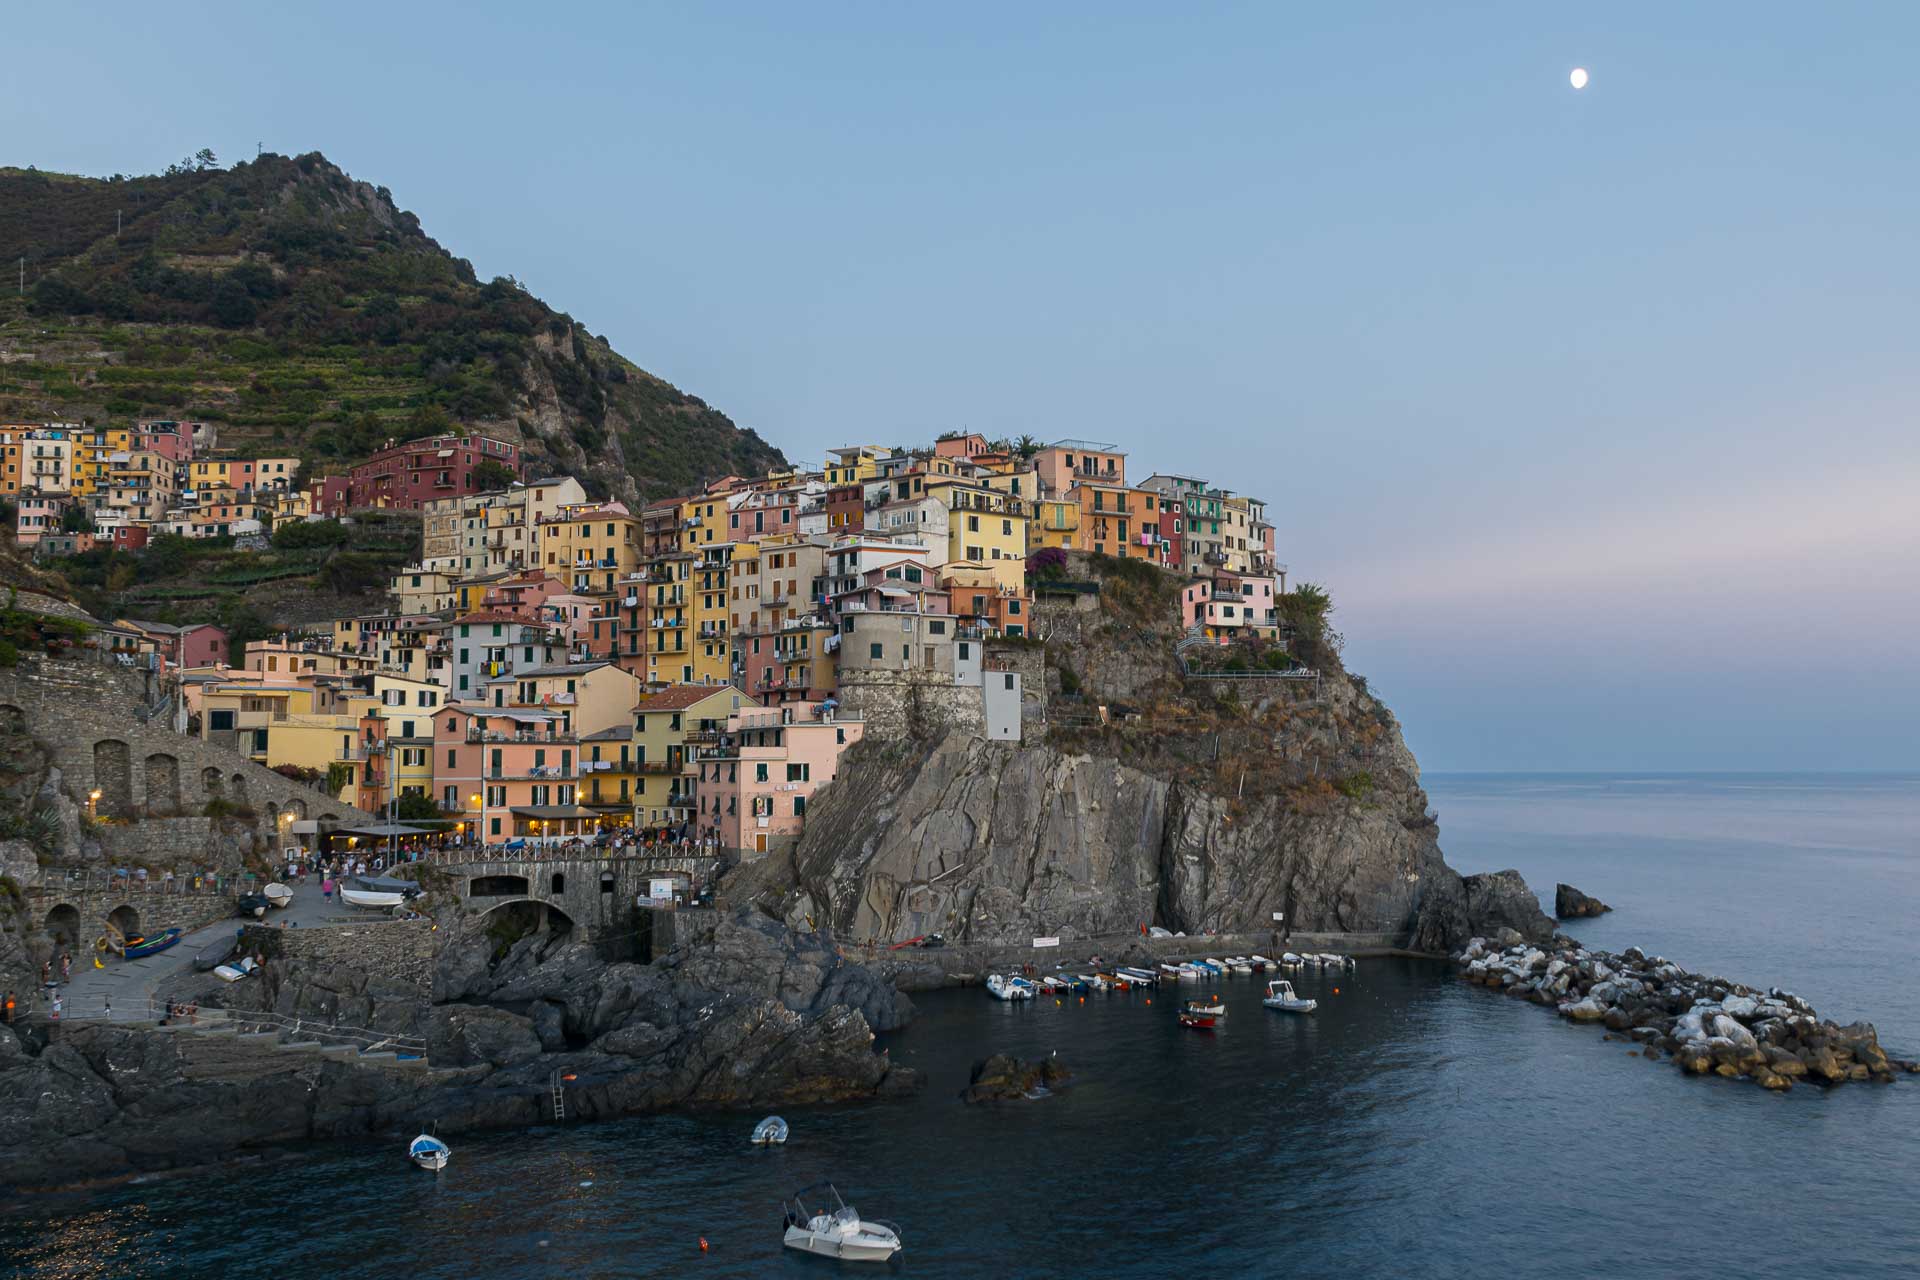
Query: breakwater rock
(1571, 904)
(1707, 1025)
(1004, 1078)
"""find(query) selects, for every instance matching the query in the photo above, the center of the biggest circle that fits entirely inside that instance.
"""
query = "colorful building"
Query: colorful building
(753, 792)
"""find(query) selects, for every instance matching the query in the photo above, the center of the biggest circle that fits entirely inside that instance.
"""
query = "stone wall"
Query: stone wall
(88, 715)
(80, 915)
(902, 704)
(401, 950)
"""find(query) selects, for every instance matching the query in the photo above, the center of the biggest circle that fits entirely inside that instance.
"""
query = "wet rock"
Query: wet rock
(1003, 1078)
(1571, 904)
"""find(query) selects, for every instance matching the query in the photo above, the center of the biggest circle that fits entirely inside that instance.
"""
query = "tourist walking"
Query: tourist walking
(326, 888)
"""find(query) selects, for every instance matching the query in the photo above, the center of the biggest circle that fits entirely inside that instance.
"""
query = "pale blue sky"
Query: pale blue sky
(1595, 411)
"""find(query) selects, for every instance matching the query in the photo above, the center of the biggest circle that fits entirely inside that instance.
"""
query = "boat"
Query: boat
(251, 904)
(1192, 972)
(1208, 1004)
(1239, 964)
(771, 1132)
(1093, 980)
(835, 1230)
(138, 945)
(1201, 1014)
(277, 895)
(1292, 961)
(1261, 964)
(1114, 981)
(235, 972)
(371, 900)
(429, 1152)
(1280, 996)
(1169, 970)
(1002, 987)
(1140, 977)
(211, 957)
(1206, 968)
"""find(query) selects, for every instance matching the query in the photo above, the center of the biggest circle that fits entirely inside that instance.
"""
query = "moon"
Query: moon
(1579, 78)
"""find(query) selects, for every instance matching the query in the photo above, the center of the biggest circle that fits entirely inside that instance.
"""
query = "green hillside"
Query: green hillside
(305, 313)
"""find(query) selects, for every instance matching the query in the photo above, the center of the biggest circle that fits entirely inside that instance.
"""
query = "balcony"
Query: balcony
(1215, 558)
(510, 773)
(494, 735)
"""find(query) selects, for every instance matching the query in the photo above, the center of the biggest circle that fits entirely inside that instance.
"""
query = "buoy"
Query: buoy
(1149, 999)
(1083, 999)
(703, 1244)
(1336, 991)
(1056, 1002)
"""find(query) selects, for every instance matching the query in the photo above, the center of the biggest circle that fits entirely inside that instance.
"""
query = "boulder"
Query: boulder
(1004, 1077)
(1498, 900)
(1571, 904)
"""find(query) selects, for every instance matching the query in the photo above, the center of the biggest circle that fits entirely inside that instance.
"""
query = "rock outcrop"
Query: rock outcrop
(1571, 904)
(756, 1017)
(1709, 1026)
(1005, 1078)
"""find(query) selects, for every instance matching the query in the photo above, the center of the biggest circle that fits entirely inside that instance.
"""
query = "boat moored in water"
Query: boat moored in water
(834, 1229)
(429, 1152)
(1202, 1015)
(771, 1132)
(1280, 995)
(1005, 987)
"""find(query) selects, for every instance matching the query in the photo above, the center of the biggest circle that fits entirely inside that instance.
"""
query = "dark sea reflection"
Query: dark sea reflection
(1412, 1127)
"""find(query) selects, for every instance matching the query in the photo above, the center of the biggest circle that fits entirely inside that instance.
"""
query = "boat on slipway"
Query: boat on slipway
(277, 895)
(138, 945)
(834, 1229)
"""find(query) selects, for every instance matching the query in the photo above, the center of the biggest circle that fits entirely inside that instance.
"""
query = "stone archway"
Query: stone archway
(63, 922)
(214, 783)
(163, 784)
(298, 808)
(239, 792)
(125, 919)
(113, 778)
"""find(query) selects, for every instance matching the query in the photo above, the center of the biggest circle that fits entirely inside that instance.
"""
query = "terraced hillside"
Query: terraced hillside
(306, 313)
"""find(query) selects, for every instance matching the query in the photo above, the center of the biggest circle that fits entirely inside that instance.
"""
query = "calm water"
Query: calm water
(1413, 1127)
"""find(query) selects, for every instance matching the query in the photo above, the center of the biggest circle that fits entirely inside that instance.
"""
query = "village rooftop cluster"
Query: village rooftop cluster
(554, 668)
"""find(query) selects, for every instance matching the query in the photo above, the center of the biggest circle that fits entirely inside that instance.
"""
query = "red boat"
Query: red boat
(1201, 1015)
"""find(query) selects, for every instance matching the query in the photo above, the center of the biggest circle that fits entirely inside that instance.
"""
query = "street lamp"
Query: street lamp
(93, 803)
(480, 830)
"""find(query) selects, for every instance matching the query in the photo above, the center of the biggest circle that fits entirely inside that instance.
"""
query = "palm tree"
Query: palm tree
(1027, 446)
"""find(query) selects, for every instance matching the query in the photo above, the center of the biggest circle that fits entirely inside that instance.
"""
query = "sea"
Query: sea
(1414, 1126)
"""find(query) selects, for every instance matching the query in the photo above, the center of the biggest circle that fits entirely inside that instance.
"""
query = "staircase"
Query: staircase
(240, 1045)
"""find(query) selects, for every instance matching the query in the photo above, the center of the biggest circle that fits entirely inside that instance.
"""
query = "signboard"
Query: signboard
(1278, 917)
(658, 889)
(1046, 942)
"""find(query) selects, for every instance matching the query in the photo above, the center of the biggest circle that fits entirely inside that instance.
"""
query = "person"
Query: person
(46, 973)
(55, 1015)
(66, 967)
(326, 888)
(10, 1008)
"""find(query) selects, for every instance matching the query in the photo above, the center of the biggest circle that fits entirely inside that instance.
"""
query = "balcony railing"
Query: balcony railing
(547, 771)
(492, 735)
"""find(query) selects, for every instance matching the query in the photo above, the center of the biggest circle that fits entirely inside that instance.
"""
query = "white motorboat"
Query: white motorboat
(1292, 961)
(429, 1152)
(277, 895)
(1094, 980)
(834, 1230)
(1260, 963)
(1280, 996)
(1002, 987)
(1191, 972)
(1239, 964)
(1169, 970)
(771, 1132)
(1139, 977)
(371, 900)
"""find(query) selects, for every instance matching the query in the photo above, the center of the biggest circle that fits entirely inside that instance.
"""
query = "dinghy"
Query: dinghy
(208, 958)
(370, 900)
(429, 1152)
(1002, 987)
(137, 945)
(771, 1132)
(834, 1230)
(1201, 1014)
(277, 895)
(1280, 996)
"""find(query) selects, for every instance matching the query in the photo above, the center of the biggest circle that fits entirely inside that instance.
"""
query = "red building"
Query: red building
(846, 508)
(418, 471)
(129, 537)
(331, 495)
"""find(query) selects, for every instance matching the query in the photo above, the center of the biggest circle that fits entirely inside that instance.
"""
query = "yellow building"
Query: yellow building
(854, 464)
(141, 485)
(291, 507)
(1056, 523)
(591, 546)
(703, 521)
(416, 590)
(709, 615)
(668, 727)
(986, 527)
(609, 779)
(46, 462)
(669, 619)
(93, 450)
(587, 696)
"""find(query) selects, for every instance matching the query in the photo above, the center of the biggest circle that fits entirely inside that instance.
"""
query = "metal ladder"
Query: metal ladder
(559, 1099)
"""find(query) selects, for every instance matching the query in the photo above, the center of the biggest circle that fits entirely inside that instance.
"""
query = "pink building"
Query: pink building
(1231, 604)
(38, 515)
(752, 793)
(511, 774)
(1066, 463)
(969, 444)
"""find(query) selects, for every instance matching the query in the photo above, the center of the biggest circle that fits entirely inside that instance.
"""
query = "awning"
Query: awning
(382, 830)
(552, 812)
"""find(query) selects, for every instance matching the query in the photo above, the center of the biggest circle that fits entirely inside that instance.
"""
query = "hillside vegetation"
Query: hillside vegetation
(307, 314)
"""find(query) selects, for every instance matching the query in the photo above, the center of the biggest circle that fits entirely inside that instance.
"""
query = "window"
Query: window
(218, 720)
(873, 650)
(937, 626)
(799, 773)
(760, 772)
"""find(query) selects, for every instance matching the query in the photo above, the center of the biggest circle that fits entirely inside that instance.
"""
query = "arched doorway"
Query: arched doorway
(63, 923)
(113, 778)
(124, 919)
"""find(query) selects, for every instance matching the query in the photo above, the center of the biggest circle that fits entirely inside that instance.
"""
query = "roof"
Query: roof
(561, 669)
(680, 696)
(618, 733)
(1085, 445)
(496, 615)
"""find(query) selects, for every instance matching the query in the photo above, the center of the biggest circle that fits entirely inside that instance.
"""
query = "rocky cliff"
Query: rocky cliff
(1157, 798)
(755, 1017)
